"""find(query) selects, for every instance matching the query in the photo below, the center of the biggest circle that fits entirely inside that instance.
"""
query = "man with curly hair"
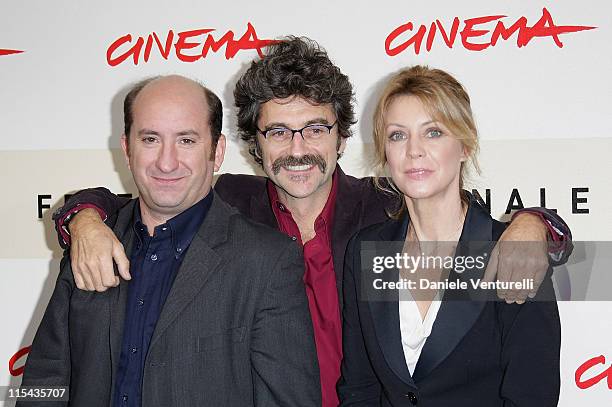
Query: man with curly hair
(295, 110)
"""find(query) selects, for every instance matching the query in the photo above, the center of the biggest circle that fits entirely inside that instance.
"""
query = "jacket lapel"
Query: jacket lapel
(457, 315)
(260, 209)
(201, 261)
(385, 311)
(125, 233)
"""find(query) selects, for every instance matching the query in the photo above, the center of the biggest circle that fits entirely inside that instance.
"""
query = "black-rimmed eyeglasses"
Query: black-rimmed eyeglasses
(311, 133)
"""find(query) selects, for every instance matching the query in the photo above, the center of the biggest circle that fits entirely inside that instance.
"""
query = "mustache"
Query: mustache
(290, 160)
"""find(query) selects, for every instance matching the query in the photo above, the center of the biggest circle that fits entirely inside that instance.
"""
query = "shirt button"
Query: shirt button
(153, 257)
(281, 206)
(140, 302)
(412, 397)
(134, 350)
(294, 238)
(124, 398)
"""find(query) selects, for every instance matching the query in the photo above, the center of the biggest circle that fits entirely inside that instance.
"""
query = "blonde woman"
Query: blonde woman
(431, 350)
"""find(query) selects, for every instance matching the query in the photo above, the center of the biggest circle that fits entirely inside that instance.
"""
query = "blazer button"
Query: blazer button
(412, 397)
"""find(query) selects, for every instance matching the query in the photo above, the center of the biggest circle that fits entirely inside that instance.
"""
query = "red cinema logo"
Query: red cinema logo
(477, 34)
(9, 51)
(188, 46)
(585, 383)
(18, 371)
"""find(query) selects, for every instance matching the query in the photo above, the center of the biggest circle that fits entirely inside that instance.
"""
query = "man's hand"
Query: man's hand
(521, 253)
(93, 248)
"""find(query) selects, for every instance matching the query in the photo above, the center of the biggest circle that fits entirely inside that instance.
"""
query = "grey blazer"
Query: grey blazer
(234, 331)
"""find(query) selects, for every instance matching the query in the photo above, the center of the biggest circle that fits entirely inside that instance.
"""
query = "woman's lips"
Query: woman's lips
(418, 174)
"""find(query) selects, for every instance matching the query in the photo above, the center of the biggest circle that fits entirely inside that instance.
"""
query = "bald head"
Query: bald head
(178, 88)
(174, 150)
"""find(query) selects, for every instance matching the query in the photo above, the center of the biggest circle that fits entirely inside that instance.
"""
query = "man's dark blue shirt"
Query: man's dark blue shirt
(154, 262)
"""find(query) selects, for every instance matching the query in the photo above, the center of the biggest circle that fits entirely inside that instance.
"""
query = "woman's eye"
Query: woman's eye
(397, 136)
(434, 133)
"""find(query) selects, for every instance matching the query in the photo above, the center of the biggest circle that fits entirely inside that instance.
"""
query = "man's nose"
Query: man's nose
(298, 145)
(167, 161)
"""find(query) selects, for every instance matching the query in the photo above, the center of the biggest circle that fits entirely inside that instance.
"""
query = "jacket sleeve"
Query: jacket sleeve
(283, 354)
(105, 202)
(48, 363)
(559, 234)
(530, 351)
(358, 385)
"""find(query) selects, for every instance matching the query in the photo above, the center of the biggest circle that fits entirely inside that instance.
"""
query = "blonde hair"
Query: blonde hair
(446, 101)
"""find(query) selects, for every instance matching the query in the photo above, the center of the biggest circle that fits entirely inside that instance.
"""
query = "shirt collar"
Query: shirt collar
(183, 226)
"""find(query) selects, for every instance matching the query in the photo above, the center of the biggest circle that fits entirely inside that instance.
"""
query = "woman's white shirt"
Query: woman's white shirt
(415, 330)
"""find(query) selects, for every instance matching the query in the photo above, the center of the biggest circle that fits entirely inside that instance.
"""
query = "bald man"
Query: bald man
(202, 322)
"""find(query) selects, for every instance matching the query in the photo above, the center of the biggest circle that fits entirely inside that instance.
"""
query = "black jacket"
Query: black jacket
(478, 353)
(235, 329)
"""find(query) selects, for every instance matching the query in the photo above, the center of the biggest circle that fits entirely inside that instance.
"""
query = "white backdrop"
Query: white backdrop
(543, 113)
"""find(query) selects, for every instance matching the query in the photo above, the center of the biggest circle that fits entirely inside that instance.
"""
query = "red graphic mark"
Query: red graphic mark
(9, 51)
(188, 46)
(20, 353)
(588, 365)
(480, 28)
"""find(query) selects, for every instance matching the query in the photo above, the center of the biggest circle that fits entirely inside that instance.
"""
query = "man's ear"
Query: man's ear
(126, 149)
(341, 145)
(219, 152)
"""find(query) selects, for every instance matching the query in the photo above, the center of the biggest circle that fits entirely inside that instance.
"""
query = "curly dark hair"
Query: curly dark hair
(292, 66)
